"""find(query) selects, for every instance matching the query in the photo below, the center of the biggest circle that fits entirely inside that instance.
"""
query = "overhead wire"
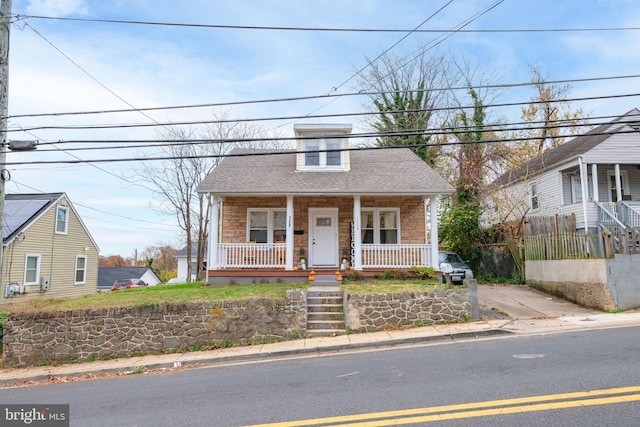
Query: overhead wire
(336, 115)
(311, 97)
(18, 17)
(427, 132)
(268, 152)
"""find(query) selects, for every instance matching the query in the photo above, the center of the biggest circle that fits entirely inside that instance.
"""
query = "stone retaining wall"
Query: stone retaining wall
(117, 332)
(120, 332)
(366, 313)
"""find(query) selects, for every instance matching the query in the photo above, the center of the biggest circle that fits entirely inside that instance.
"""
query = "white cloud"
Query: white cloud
(57, 8)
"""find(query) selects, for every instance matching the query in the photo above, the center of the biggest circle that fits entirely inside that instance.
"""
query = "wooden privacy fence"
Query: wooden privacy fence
(550, 224)
(574, 245)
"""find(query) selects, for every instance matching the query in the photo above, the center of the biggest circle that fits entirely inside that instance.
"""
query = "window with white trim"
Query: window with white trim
(62, 220)
(81, 270)
(267, 225)
(380, 225)
(576, 188)
(32, 269)
(533, 196)
(317, 156)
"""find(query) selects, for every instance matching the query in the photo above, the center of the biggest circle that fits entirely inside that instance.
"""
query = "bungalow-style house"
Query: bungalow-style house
(108, 275)
(325, 205)
(595, 176)
(47, 249)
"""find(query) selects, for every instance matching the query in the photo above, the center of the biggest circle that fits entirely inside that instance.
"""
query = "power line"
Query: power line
(311, 97)
(336, 115)
(427, 132)
(289, 152)
(19, 17)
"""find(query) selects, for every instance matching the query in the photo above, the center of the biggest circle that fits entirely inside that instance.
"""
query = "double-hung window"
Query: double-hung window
(380, 225)
(62, 220)
(319, 154)
(533, 196)
(81, 270)
(267, 225)
(32, 269)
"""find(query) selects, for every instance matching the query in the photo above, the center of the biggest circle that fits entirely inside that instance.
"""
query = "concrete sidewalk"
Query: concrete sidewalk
(521, 311)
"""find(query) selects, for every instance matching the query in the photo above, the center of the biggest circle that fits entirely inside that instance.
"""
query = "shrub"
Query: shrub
(401, 274)
(424, 273)
(354, 275)
(4, 315)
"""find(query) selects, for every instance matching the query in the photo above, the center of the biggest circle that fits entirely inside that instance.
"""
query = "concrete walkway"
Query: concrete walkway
(519, 311)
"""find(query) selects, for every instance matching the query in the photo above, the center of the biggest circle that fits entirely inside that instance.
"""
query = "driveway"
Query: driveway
(522, 302)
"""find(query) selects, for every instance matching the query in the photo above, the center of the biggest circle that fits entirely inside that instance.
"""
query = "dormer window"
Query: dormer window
(322, 147)
(316, 153)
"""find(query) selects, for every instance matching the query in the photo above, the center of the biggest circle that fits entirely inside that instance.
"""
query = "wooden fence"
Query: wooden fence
(574, 245)
(550, 224)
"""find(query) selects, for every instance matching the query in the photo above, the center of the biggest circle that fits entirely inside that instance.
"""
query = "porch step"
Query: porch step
(325, 311)
(326, 280)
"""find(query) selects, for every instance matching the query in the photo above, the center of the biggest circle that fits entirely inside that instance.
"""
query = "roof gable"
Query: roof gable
(21, 210)
(571, 149)
(108, 275)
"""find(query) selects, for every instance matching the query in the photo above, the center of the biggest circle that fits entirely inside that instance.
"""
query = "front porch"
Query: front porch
(256, 262)
(279, 238)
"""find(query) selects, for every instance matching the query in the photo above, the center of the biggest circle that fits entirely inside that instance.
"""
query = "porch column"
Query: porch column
(214, 237)
(357, 233)
(618, 183)
(433, 219)
(584, 179)
(290, 237)
(594, 182)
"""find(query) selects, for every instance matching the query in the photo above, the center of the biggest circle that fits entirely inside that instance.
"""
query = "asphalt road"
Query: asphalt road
(428, 381)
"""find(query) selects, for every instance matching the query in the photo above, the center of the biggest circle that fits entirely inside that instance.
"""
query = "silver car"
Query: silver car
(460, 271)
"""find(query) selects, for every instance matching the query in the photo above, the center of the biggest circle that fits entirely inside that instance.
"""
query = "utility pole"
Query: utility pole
(5, 25)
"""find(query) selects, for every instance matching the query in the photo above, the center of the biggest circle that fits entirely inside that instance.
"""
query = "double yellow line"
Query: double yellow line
(472, 410)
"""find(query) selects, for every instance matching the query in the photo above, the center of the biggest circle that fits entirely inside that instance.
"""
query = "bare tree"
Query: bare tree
(551, 116)
(174, 181)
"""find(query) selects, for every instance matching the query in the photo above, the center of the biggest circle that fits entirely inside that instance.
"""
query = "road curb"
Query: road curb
(131, 364)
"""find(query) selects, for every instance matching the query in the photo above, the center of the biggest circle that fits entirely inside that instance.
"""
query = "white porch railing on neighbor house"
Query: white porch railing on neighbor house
(395, 256)
(614, 215)
(252, 255)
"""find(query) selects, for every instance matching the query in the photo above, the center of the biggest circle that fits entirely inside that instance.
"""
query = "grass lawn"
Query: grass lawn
(198, 292)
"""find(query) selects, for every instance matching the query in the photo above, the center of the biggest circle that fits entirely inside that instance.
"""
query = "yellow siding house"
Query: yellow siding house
(47, 250)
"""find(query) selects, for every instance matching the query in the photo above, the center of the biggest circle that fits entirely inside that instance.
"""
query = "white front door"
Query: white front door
(323, 237)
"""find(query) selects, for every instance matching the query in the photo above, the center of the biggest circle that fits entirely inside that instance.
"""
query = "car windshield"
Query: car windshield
(450, 257)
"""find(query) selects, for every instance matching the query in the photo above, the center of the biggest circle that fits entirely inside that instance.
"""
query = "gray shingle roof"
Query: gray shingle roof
(108, 275)
(567, 151)
(375, 172)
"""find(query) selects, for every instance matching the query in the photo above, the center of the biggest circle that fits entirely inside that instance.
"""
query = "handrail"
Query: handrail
(606, 218)
(630, 216)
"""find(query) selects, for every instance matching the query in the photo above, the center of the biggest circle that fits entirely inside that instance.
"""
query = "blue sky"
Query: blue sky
(82, 66)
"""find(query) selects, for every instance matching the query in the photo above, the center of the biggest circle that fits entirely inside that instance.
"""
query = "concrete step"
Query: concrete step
(325, 308)
(329, 325)
(324, 316)
(325, 311)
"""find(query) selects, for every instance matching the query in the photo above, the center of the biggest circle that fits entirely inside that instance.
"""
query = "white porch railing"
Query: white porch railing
(252, 255)
(395, 256)
(273, 255)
